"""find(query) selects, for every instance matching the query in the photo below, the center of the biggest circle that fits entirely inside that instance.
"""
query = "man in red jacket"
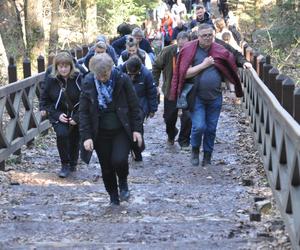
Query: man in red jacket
(205, 64)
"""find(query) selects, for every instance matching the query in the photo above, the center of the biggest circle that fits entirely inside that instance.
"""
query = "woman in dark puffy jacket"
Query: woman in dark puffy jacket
(60, 98)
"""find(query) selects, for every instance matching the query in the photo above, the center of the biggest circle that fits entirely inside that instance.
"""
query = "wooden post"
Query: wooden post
(78, 53)
(260, 67)
(12, 71)
(41, 68)
(249, 53)
(288, 87)
(278, 87)
(26, 73)
(245, 46)
(266, 67)
(254, 60)
(85, 50)
(41, 63)
(273, 73)
(296, 112)
(26, 68)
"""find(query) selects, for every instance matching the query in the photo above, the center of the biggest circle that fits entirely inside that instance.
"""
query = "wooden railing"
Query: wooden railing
(282, 86)
(20, 117)
(272, 104)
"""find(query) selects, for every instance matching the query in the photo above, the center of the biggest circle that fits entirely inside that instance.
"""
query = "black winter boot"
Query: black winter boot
(73, 166)
(64, 172)
(114, 198)
(206, 159)
(195, 156)
(124, 191)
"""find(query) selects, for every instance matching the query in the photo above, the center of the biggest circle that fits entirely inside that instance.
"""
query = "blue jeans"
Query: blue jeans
(205, 118)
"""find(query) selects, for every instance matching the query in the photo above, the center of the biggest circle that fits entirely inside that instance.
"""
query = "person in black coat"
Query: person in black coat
(145, 88)
(60, 99)
(110, 121)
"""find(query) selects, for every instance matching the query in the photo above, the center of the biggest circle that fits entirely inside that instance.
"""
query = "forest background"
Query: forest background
(30, 28)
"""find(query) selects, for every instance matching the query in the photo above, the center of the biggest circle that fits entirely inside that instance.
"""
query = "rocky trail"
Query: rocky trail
(173, 204)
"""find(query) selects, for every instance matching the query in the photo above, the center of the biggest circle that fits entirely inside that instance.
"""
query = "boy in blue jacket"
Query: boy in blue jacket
(145, 88)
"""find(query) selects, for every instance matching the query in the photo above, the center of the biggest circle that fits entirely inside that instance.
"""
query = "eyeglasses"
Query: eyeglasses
(206, 35)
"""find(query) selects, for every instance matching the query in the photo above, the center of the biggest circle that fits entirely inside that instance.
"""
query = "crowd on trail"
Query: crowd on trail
(99, 102)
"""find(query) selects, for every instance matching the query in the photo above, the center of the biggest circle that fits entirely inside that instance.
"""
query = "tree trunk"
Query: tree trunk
(34, 28)
(11, 29)
(88, 16)
(53, 38)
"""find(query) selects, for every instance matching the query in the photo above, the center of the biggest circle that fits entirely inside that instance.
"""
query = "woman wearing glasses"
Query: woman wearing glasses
(110, 121)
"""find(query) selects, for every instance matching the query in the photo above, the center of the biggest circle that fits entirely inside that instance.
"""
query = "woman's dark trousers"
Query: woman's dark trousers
(112, 148)
(67, 140)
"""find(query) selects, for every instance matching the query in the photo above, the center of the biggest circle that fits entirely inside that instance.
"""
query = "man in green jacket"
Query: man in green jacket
(166, 62)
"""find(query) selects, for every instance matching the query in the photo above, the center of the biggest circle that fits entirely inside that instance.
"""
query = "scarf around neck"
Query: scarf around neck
(105, 90)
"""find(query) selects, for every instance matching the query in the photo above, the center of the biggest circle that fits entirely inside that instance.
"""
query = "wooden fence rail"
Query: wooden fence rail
(283, 87)
(19, 114)
(272, 103)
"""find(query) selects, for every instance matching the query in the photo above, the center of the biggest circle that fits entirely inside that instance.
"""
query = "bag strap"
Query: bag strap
(68, 103)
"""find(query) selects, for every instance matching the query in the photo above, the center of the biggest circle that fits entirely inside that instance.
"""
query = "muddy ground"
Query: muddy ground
(173, 204)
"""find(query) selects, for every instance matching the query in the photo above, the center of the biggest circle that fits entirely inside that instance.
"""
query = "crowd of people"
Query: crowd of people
(100, 102)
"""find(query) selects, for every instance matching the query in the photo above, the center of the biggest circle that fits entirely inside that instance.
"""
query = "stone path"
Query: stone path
(173, 204)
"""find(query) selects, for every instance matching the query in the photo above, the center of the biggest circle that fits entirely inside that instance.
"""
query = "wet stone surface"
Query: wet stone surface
(173, 204)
